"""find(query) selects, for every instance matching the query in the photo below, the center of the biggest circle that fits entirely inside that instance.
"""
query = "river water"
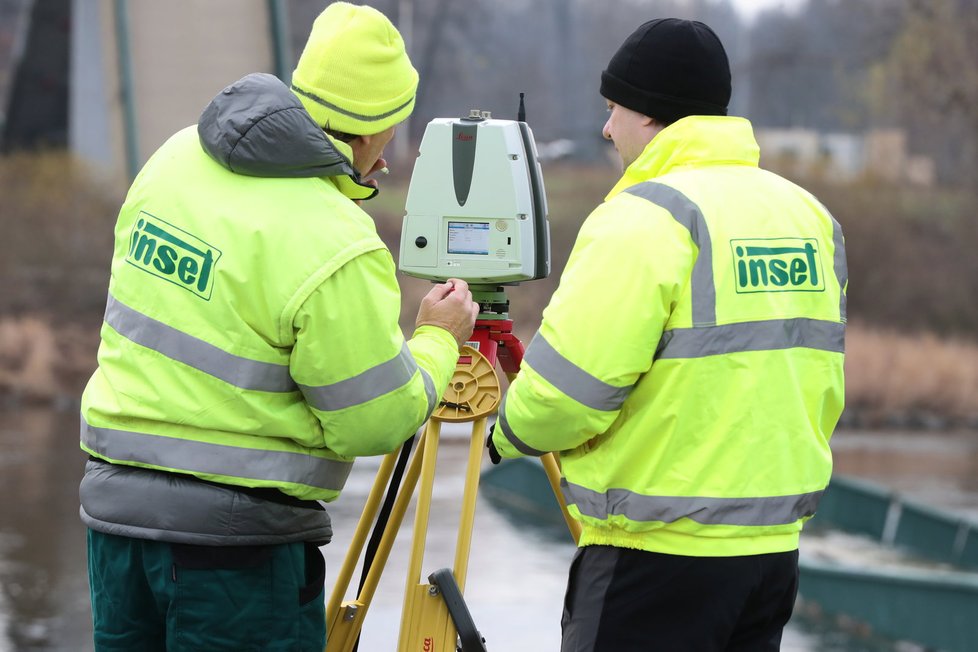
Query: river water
(516, 575)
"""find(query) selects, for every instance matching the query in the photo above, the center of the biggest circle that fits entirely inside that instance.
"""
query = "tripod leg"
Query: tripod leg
(467, 522)
(428, 623)
(346, 621)
(553, 475)
(415, 593)
(451, 584)
(367, 517)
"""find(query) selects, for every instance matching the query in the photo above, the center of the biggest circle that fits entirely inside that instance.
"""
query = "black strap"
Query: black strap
(383, 517)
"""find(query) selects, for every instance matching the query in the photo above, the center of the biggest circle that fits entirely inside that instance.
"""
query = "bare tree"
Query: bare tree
(933, 63)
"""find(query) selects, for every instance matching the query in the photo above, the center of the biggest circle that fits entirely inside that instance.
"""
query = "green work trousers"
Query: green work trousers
(150, 596)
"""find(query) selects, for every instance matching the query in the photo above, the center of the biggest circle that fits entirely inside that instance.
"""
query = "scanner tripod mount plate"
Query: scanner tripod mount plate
(473, 391)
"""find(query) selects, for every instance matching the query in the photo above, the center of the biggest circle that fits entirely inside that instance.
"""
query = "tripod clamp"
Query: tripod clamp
(493, 334)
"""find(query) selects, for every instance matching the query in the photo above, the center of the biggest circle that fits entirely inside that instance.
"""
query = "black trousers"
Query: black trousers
(623, 600)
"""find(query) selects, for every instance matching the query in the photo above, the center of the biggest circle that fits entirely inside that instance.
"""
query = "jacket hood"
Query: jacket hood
(257, 127)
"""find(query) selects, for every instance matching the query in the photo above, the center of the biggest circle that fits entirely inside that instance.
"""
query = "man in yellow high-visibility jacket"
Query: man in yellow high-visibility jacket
(251, 350)
(689, 368)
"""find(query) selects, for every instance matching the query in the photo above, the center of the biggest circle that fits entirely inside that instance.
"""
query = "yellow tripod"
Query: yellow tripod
(434, 616)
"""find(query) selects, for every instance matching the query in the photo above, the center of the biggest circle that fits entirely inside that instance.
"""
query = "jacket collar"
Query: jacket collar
(693, 142)
(349, 184)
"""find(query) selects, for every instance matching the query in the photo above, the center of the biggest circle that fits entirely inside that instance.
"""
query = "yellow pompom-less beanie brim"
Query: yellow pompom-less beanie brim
(354, 74)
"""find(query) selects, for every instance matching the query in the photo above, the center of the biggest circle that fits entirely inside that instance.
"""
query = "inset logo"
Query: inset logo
(172, 254)
(777, 265)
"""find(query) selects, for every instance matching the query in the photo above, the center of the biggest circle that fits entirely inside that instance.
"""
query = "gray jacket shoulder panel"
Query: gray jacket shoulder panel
(257, 127)
(146, 504)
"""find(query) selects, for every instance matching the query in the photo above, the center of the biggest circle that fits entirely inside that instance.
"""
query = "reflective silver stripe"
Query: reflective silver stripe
(769, 510)
(365, 386)
(196, 353)
(429, 390)
(768, 335)
(689, 215)
(571, 379)
(840, 264)
(200, 457)
(508, 433)
(358, 116)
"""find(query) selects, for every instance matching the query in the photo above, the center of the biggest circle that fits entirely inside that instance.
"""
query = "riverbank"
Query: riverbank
(892, 380)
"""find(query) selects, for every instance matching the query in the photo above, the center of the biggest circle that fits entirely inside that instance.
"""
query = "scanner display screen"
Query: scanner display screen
(468, 238)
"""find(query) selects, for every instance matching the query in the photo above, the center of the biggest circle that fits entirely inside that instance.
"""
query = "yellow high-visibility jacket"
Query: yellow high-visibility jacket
(251, 334)
(689, 368)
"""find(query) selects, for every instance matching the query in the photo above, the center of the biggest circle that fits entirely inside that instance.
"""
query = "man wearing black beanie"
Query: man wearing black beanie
(689, 368)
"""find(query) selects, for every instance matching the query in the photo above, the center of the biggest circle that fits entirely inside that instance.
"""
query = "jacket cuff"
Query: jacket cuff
(437, 333)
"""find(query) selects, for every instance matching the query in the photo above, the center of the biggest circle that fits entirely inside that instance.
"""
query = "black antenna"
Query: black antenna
(521, 113)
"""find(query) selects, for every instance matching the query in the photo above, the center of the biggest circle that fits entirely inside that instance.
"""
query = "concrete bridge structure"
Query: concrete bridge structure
(142, 69)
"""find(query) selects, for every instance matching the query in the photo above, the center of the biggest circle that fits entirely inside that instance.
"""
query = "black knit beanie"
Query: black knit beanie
(669, 69)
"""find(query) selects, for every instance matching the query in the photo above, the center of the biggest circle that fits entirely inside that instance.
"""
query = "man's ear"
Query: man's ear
(359, 145)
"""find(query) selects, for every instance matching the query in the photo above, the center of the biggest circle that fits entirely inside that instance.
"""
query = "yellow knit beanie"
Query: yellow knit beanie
(354, 74)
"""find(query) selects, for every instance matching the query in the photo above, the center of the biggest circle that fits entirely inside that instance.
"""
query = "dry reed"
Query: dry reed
(40, 362)
(892, 377)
